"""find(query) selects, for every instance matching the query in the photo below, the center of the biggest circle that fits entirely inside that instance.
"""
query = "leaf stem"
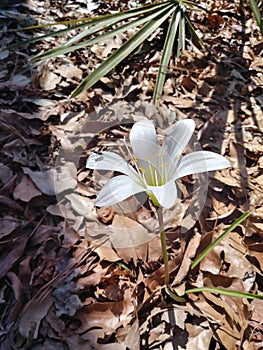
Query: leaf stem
(163, 242)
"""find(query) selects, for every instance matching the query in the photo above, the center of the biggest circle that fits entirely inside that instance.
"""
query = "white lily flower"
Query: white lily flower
(155, 168)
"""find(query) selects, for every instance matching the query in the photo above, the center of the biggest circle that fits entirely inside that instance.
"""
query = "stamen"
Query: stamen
(164, 172)
(152, 169)
(156, 177)
(142, 170)
(144, 179)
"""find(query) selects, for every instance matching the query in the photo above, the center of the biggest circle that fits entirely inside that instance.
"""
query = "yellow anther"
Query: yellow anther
(159, 155)
(164, 164)
(142, 170)
(135, 159)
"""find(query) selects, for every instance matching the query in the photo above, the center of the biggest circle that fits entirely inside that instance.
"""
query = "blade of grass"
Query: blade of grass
(255, 10)
(219, 239)
(231, 293)
(167, 50)
(129, 46)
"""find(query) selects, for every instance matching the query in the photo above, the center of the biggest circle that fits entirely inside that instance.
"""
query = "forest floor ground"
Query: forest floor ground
(61, 285)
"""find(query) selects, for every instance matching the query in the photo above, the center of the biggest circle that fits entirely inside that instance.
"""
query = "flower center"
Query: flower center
(153, 173)
(156, 171)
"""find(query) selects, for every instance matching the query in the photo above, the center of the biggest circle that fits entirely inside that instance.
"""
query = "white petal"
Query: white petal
(143, 130)
(144, 140)
(110, 161)
(177, 140)
(116, 190)
(199, 162)
(166, 195)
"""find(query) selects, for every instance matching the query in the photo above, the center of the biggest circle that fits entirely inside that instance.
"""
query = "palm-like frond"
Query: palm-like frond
(145, 19)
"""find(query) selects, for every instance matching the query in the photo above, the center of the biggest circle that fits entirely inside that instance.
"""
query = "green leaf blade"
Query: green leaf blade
(167, 50)
(66, 49)
(228, 292)
(256, 12)
(237, 222)
(119, 55)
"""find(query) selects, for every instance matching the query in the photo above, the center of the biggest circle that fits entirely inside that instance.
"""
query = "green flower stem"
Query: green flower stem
(163, 242)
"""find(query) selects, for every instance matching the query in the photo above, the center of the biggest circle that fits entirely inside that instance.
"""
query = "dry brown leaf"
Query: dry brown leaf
(102, 50)
(106, 253)
(70, 236)
(132, 341)
(8, 225)
(93, 278)
(157, 277)
(48, 80)
(62, 210)
(69, 72)
(157, 334)
(175, 316)
(50, 344)
(233, 306)
(18, 81)
(16, 286)
(228, 258)
(54, 181)
(26, 190)
(17, 249)
(179, 102)
(226, 333)
(129, 238)
(108, 315)
(84, 206)
(223, 95)
(199, 336)
(111, 346)
(154, 249)
(6, 173)
(34, 311)
(188, 255)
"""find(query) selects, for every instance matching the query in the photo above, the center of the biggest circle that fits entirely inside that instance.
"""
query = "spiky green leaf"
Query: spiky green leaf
(128, 47)
(167, 50)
